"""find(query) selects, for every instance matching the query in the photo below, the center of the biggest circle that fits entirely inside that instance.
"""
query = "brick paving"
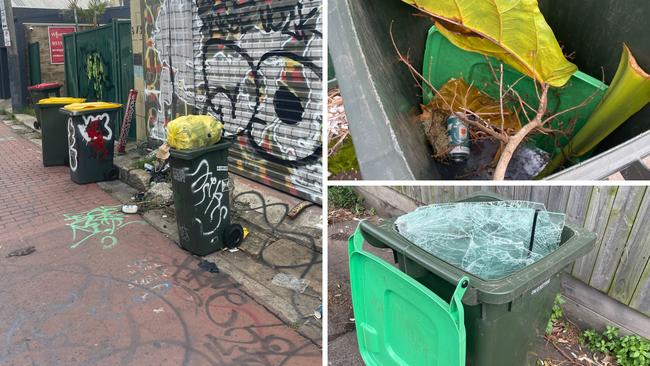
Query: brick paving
(104, 288)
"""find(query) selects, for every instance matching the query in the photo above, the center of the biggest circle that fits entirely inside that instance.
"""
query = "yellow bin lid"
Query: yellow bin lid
(91, 106)
(61, 100)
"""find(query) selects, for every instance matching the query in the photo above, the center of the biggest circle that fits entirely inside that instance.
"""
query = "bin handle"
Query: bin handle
(355, 242)
(456, 304)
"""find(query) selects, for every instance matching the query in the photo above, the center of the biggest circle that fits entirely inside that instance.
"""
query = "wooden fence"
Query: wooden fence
(619, 264)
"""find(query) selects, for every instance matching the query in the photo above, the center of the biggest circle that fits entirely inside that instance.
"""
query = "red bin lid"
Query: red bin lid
(44, 86)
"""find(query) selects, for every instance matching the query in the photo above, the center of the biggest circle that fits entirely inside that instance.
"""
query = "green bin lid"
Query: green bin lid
(443, 61)
(398, 320)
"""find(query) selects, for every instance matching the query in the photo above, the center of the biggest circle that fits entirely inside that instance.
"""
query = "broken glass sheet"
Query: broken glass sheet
(488, 239)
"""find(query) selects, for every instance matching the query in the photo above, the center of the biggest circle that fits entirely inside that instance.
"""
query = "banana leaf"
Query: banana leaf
(514, 31)
(628, 94)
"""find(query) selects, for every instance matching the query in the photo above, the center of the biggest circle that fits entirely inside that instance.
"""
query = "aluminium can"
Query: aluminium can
(458, 135)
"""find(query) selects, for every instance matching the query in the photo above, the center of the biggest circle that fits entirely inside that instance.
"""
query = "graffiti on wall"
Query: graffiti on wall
(96, 74)
(255, 65)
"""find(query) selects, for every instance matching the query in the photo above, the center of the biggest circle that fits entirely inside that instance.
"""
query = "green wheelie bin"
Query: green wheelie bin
(44, 90)
(201, 198)
(53, 129)
(91, 139)
(411, 315)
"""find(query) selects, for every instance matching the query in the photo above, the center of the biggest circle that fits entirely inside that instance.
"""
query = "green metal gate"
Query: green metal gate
(99, 65)
(34, 64)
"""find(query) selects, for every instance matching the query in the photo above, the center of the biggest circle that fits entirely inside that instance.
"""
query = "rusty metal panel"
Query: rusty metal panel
(255, 65)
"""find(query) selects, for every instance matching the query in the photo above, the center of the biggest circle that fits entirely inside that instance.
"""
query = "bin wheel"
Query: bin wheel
(234, 236)
(37, 125)
(112, 174)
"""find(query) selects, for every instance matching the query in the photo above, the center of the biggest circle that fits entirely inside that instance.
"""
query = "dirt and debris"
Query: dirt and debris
(337, 128)
(342, 160)
(562, 347)
(208, 266)
(22, 252)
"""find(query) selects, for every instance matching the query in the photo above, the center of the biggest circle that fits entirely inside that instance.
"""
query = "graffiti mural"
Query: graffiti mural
(256, 66)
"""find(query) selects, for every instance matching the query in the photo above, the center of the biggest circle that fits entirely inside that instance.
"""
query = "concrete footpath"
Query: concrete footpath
(84, 284)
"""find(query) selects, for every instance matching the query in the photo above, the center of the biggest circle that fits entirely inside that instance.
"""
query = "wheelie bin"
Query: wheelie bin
(91, 141)
(201, 198)
(382, 99)
(413, 316)
(44, 90)
(53, 129)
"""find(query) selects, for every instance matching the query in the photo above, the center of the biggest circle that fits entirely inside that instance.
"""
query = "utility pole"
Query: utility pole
(9, 28)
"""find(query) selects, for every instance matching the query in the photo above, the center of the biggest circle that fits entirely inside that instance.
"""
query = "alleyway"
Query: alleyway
(105, 288)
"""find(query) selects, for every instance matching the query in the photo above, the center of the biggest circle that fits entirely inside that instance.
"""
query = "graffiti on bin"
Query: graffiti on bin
(255, 65)
(72, 145)
(92, 132)
(211, 193)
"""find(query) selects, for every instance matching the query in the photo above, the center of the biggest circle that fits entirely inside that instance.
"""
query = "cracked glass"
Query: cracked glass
(490, 240)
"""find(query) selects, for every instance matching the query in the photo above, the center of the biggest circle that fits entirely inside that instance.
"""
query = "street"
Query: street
(103, 288)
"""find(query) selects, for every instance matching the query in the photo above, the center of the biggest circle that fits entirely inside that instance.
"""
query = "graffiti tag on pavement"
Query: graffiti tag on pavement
(103, 222)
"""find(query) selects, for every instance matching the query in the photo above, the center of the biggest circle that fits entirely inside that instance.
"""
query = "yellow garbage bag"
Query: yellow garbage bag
(192, 132)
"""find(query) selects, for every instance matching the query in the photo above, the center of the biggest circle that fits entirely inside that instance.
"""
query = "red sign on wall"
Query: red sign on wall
(56, 43)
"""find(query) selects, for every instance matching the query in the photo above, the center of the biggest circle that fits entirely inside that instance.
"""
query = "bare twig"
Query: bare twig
(501, 98)
(569, 359)
(338, 143)
(517, 139)
(462, 116)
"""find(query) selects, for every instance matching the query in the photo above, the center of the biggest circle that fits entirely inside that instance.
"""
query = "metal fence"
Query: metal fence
(619, 264)
(108, 50)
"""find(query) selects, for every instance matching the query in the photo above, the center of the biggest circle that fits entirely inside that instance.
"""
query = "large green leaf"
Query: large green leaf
(513, 31)
(628, 94)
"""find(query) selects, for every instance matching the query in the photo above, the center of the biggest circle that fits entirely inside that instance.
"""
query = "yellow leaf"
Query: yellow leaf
(514, 31)
(456, 94)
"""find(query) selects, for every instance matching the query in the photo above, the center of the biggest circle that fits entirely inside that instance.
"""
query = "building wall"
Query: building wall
(137, 37)
(255, 65)
(39, 33)
(19, 67)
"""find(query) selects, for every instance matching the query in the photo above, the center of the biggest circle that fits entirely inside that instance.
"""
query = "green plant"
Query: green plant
(95, 72)
(91, 14)
(346, 197)
(629, 350)
(556, 313)
(27, 110)
(139, 164)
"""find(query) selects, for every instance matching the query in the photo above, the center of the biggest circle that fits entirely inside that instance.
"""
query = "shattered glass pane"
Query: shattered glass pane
(488, 239)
